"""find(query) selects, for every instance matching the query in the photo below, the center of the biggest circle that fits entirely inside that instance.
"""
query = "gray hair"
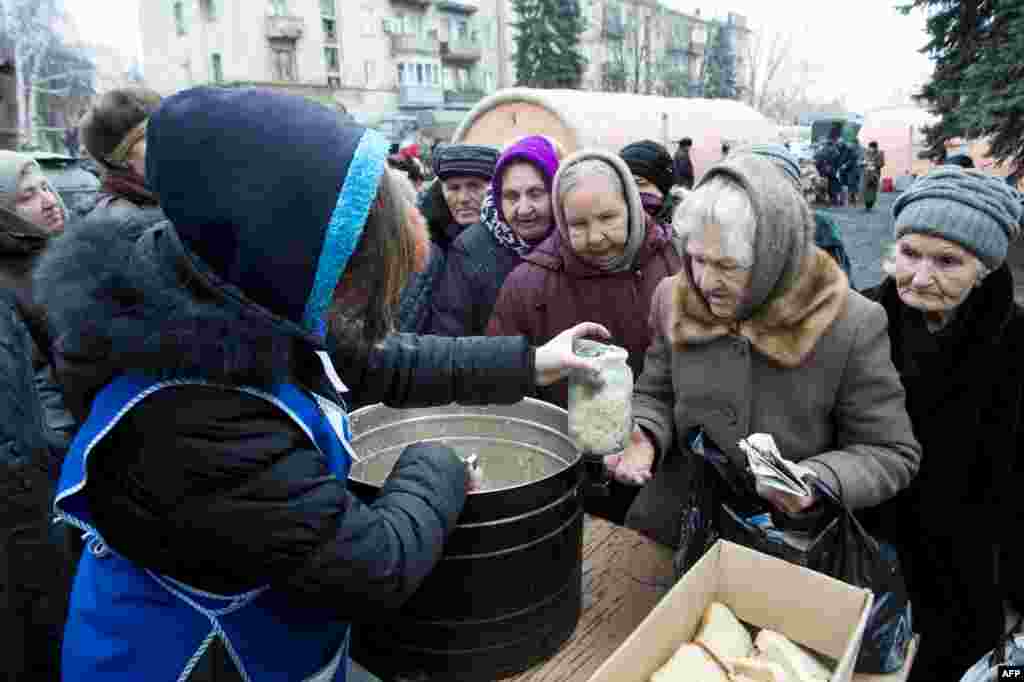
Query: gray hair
(724, 202)
(575, 173)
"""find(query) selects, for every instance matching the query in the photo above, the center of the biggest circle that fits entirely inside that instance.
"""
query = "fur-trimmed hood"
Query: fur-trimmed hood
(786, 330)
(121, 297)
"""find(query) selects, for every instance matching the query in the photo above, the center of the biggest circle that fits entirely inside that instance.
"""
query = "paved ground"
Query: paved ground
(867, 234)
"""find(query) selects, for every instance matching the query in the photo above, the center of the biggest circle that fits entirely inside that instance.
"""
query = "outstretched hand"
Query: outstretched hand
(555, 359)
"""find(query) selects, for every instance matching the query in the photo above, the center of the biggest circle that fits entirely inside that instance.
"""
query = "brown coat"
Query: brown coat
(812, 368)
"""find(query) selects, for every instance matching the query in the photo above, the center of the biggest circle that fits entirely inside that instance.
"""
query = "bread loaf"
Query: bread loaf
(800, 666)
(690, 663)
(723, 634)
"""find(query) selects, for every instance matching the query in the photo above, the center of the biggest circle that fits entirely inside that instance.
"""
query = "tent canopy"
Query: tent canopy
(578, 119)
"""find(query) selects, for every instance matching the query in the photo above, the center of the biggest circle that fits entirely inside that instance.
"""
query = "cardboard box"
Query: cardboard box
(811, 609)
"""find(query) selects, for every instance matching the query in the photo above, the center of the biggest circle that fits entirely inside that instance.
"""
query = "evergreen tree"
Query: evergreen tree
(720, 63)
(548, 43)
(977, 88)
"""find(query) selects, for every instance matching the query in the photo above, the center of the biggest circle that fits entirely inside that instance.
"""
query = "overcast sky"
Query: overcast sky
(865, 50)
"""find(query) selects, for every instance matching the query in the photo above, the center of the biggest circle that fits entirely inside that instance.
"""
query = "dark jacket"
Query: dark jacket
(828, 237)
(33, 569)
(440, 222)
(553, 290)
(181, 495)
(414, 309)
(682, 166)
(965, 397)
(477, 267)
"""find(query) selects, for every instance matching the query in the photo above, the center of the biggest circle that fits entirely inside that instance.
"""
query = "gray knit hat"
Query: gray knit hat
(780, 156)
(451, 160)
(980, 213)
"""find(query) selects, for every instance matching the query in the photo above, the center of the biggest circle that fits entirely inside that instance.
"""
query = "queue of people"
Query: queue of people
(179, 369)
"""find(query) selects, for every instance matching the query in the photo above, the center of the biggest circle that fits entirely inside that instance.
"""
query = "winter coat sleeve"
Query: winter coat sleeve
(22, 434)
(653, 395)
(452, 306)
(876, 454)
(420, 371)
(229, 494)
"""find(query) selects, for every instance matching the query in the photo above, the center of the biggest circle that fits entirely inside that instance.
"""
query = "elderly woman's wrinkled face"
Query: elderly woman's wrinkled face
(526, 201)
(597, 220)
(464, 194)
(721, 278)
(932, 274)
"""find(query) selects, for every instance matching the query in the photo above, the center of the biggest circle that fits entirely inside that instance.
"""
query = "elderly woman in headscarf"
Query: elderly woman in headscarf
(513, 220)
(761, 333)
(602, 263)
(958, 343)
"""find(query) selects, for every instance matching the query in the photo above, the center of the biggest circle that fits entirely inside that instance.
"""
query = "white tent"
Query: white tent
(580, 119)
(898, 132)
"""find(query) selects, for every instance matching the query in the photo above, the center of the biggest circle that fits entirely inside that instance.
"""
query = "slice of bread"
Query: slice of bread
(723, 634)
(690, 663)
(758, 670)
(800, 666)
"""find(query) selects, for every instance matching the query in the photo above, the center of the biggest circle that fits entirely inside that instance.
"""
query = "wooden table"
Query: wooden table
(624, 576)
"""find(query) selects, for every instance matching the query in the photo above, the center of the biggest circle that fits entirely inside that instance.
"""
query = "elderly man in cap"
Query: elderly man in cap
(450, 206)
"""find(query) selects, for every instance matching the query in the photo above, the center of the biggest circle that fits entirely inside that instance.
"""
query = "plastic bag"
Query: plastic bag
(1009, 651)
(601, 414)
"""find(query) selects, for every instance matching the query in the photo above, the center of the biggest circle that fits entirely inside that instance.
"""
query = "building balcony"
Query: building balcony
(413, 44)
(613, 28)
(462, 99)
(461, 50)
(412, 3)
(420, 96)
(460, 6)
(284, 28)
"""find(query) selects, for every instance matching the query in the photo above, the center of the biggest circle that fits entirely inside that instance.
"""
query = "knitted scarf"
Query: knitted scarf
(128, 186)
(502, 233)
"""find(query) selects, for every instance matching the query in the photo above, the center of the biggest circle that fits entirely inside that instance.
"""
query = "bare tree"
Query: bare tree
(29, 29)
(767, 57)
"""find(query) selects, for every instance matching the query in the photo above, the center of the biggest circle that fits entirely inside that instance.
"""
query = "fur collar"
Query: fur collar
(785, 330)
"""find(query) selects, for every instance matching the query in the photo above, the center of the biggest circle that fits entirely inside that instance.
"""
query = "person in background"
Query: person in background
(826, 232)
(216, 447)
(113, 131)
(761, 333)
(962, 160)
(651, 166)
(957, 339)
(682, 165)
(35, 429)
(520, 217)
(874, 162)
(602, 263)
(726, 148)
(855, 171)
(463, 175)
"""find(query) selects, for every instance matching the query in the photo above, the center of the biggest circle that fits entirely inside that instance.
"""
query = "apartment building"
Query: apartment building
(405, 56)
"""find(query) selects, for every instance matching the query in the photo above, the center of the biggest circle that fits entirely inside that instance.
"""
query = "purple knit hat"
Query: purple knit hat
(535, 149)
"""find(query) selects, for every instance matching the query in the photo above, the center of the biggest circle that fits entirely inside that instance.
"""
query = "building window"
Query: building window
(217, 67)
(179, 17)
(208, 8)
(488, 81)
(334, 82)
(283, 61)
(331, 58)
(401, 73)
(327, 8)
(278, 8)
(330, 30)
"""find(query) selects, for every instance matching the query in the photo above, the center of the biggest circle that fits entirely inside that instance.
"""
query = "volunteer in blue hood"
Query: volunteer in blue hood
(208, 476)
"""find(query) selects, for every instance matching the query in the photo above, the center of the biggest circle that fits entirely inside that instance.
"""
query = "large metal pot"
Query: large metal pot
(506, 593)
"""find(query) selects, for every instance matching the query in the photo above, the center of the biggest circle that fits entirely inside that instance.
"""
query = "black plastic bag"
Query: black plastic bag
(721, 503)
